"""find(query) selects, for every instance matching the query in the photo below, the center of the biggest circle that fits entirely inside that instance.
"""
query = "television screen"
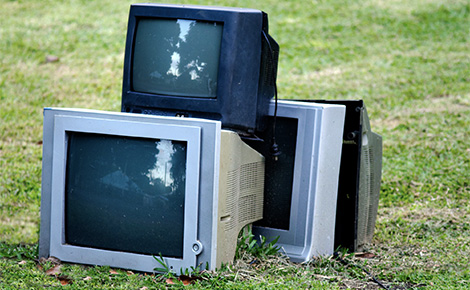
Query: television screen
(216, 63)
(301, 186)
(119, 189)
(176, 57)
(280, 172)
(125, 175)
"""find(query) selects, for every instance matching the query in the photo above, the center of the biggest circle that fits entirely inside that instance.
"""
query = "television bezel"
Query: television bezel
(315, 185)
(242, 99)
(200, 229)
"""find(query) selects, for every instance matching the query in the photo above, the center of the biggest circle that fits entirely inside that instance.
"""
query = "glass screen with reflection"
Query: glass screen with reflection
(125, 193)
(176, 57)
(279, 174)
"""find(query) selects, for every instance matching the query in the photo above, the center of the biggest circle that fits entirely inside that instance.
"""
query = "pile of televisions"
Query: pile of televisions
(202, 149)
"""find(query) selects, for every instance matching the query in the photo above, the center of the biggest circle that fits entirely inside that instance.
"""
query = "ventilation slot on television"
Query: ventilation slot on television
(244, 194)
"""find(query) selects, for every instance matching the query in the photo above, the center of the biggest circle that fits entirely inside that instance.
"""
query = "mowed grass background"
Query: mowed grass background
(408, 60)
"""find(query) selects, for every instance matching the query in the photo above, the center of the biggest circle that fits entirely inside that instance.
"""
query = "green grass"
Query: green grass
(408, 60)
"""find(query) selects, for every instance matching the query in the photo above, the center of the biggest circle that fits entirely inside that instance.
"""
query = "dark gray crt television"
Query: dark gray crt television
(196, 61)
(359, 177)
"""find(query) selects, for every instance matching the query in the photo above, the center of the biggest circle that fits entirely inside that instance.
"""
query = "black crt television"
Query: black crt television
(359, 178)
(209, 62)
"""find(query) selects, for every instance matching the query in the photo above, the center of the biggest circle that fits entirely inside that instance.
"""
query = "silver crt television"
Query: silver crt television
(121, 188)
(301, 186)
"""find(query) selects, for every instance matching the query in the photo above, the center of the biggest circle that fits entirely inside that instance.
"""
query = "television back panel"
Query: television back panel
(241, 188)
(301, 187)
(370, 174)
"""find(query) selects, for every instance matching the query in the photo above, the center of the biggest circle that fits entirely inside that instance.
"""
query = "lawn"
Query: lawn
(408, 60)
